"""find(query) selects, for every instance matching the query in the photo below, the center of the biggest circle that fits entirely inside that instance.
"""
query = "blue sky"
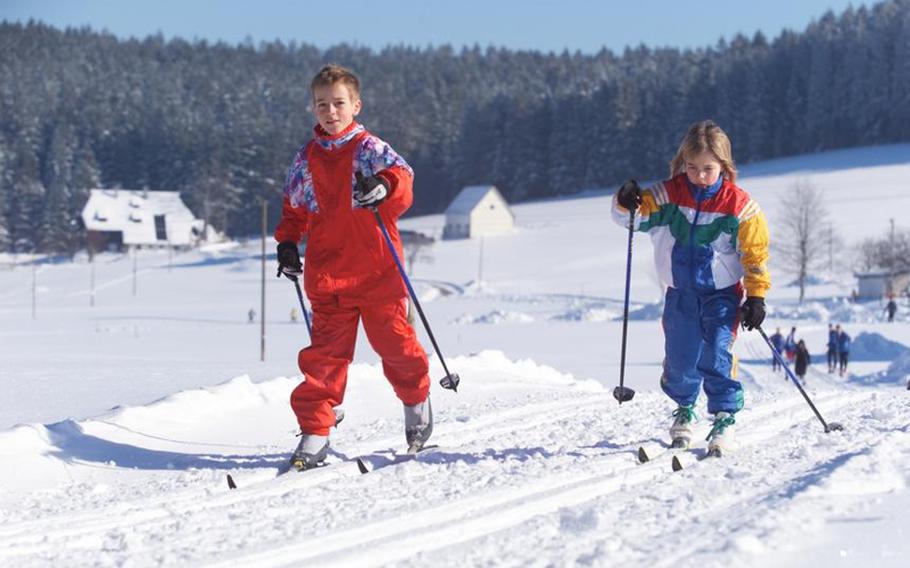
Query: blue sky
(517, 24)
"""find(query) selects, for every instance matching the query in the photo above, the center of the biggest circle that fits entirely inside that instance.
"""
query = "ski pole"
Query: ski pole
(451, 380)
(306, 316)
(623, 393)
(828, 427)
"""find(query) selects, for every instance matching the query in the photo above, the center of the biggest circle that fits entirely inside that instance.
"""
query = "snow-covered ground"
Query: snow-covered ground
(122, 420)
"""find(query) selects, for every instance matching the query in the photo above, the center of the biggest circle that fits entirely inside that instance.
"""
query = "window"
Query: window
(160, 228)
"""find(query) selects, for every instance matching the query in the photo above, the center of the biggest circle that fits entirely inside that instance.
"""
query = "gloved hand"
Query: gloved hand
(752, 312)
(629, 195)
(289, 260)
(370, 191)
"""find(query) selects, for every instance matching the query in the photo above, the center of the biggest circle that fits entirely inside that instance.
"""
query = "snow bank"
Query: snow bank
(495, 317)
(495, 367)
(647, 312)
(833, 310)
(589, 314)
(898, 372)
(874, 347)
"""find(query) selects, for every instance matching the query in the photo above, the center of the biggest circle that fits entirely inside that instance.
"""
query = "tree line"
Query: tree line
(220, 123)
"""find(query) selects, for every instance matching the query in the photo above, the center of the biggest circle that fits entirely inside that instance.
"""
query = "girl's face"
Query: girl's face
(335, 107)
(703, 169)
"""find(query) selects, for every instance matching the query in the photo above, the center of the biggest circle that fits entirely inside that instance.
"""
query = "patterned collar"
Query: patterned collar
(330, 142)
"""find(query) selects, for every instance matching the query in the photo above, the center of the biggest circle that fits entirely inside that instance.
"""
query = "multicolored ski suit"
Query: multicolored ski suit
(709, 243)
(349, 273)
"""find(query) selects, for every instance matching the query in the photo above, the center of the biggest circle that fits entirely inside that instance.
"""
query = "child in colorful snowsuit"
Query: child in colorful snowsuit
(335, 183)
(710, 242)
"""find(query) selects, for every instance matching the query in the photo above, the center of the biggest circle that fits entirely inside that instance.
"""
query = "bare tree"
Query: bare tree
(891, 253)
(803, 237)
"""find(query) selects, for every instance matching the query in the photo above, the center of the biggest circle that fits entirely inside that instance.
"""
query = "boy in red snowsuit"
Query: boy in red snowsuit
(335, 183)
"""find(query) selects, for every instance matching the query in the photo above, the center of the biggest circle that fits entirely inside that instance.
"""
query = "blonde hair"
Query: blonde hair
(331, 74)
(705, 136)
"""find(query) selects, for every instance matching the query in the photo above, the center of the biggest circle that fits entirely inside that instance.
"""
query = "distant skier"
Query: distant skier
(336, 182)
(777, 340)
(293, 315)
(891, 308)
(802, 360)
(251, 316)
(790, 344)
(710, 241)
(832, 348)
(843, 349)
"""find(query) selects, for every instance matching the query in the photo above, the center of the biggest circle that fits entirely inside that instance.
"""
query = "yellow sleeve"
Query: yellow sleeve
(753, 241)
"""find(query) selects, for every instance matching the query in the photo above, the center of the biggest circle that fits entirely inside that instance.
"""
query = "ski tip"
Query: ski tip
(362, 466)
(677, 465)
(230, 482)
(643, 455)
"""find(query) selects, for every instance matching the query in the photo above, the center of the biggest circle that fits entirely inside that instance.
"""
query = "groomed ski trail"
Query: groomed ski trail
(541, 467)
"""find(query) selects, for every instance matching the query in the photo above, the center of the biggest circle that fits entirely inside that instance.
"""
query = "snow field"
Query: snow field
(121, 429)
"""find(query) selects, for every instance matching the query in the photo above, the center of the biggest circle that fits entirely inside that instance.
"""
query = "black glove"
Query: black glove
(629, 195)
(370, 191)
(289, 260)
(752, 312)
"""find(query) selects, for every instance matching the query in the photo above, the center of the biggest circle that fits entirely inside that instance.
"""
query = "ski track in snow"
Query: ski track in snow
(546, 474)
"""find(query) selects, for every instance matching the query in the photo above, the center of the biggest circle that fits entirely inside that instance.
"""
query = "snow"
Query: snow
(122, 420)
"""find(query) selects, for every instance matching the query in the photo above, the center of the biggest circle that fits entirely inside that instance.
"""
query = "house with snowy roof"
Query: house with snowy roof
(878, 284)
(118, 218)
(477, 211)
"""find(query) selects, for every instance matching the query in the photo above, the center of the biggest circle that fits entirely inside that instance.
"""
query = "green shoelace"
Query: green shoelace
(720, 424)
(688, 412)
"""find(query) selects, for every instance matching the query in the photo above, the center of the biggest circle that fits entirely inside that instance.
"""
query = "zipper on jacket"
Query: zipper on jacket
(698, 203)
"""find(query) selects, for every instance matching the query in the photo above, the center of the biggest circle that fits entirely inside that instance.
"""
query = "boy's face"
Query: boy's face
(335, 107)
(703, 169)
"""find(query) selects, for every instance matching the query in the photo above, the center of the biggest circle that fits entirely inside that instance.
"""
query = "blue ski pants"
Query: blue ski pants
(699, 330)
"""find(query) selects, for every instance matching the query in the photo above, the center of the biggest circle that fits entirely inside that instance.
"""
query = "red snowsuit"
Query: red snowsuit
(349, 273)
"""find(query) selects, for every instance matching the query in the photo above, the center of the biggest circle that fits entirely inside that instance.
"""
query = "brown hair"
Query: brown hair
(331, 74)
(705, 136)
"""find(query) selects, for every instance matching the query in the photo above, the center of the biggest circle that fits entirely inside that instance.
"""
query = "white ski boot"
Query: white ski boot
(311, 451)
(681, 430)
(721, 437)
(418, 425)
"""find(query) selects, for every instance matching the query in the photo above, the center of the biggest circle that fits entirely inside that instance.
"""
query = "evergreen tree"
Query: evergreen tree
(220, 123)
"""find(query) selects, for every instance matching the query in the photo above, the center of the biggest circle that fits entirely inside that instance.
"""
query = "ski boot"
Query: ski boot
(681, 430)
(418, 425)
(311, 451)
(720, 438)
